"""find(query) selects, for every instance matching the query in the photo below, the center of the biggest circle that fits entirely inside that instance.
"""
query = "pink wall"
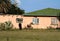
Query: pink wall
(12, 18)
(44, 22)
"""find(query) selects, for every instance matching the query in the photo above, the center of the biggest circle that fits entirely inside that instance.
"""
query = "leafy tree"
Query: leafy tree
(4, 6)
(7, 8)
(15, 10)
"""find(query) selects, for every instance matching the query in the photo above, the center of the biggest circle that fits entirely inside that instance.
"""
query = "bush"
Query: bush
(50, 28)
(28, 27)
(58, 28)
(2, 26)
(6, 25)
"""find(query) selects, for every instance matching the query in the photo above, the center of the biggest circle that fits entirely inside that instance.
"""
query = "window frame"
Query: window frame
(54, 21)
(35, 21)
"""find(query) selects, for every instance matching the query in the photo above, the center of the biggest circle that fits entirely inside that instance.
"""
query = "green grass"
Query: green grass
(30, 35)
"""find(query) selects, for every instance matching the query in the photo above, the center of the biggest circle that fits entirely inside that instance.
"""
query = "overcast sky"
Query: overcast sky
(32, 5)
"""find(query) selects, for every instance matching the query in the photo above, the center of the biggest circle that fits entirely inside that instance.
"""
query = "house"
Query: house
(41, 19)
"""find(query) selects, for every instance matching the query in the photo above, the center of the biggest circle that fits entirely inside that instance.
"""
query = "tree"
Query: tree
(7, 8)
(4, 6)
(15, 10)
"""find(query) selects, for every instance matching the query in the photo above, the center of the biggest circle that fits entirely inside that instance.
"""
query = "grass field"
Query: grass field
(30, 35)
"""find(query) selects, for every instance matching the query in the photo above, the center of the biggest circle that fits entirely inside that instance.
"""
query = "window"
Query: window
(53, 21)
(35, 20)
(19, 20)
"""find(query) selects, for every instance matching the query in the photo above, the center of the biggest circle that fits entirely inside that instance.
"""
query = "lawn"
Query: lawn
(30, 35)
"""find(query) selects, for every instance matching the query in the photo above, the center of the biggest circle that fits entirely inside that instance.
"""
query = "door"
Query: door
(20, 26)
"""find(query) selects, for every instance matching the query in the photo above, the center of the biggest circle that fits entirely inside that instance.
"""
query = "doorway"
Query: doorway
(19, 21)
(20, 26)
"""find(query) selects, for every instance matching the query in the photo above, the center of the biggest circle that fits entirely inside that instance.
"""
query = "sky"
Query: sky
(33, 5)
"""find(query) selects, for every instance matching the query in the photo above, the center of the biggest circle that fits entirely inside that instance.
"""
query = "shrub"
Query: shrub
(50, 28)
(6, 25)
(2, 26)
(28, 27)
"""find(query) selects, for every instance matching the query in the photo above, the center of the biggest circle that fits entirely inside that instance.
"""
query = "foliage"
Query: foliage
(2, 26)
(4, 6)
(51, 28)
(6, 25)
(7, 8)
(29, 27)
(15, 10)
